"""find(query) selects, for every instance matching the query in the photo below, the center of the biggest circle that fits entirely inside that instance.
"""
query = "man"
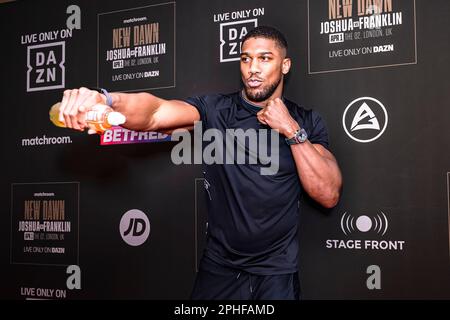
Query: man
(252, 244)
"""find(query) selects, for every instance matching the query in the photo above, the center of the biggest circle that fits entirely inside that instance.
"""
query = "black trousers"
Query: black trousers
(216, 282)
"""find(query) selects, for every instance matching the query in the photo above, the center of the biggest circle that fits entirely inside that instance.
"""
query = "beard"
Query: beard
(261, 94)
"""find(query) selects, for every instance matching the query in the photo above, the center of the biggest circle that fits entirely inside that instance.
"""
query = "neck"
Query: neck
(276, 94)
(253, 103)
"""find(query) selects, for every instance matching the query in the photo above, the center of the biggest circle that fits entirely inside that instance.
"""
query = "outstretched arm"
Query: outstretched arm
(143, 111)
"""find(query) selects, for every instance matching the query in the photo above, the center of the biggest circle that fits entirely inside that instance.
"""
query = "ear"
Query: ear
(286, 66)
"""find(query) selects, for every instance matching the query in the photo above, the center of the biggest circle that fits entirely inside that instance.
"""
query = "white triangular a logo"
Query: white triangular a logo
(363, 112)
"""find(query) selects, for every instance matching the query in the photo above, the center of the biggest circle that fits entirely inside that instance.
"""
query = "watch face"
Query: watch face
(302, 135)
(299, 137)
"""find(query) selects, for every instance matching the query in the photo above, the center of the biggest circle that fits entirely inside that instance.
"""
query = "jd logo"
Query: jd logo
(138, 227)
(134, 227)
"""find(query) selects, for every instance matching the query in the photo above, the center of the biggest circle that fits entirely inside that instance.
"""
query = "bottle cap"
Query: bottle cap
(116, 118)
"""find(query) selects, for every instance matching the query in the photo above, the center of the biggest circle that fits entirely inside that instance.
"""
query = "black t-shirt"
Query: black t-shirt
(253, 218)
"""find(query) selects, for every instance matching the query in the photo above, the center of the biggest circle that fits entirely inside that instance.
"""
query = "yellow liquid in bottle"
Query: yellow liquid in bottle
(54, 115)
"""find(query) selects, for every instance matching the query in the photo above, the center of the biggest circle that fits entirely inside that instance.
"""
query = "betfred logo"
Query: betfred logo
(119, 135)
(46, 69)
(365, 119)
(134, 227)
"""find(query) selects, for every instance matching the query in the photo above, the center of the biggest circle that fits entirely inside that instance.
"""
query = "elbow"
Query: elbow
(330, 203)
(331, 200)
(333, 195)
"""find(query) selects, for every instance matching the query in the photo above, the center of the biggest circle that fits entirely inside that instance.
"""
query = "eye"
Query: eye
(265, 58)
(245, 59)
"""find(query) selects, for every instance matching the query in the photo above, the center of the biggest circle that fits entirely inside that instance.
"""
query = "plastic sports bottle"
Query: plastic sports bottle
(99, 118)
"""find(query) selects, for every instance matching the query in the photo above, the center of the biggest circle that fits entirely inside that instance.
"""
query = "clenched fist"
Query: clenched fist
(277, 116)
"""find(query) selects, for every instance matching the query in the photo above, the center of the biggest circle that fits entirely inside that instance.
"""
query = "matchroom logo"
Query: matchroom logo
(365, 119)
(365, 232)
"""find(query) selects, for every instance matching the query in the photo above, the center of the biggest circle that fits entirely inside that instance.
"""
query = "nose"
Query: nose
(254, 67)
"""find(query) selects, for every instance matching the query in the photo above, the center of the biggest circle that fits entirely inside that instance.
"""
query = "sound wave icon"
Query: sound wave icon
(363, 223)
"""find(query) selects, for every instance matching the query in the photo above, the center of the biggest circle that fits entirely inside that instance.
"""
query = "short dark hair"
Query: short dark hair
(268, 33)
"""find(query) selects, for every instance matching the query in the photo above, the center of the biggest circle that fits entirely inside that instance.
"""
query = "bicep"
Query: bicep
(173, 114)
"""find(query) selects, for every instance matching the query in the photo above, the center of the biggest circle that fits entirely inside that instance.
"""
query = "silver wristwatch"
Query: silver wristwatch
(300, 136)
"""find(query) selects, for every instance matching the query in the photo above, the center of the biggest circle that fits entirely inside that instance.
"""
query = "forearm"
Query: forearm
(319, 174)
(138, 108)
(145, 112)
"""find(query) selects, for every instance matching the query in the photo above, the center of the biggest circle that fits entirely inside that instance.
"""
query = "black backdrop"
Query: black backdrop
(395, 202)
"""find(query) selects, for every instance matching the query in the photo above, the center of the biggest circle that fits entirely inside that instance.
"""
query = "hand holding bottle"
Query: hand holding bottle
(98, 118)
(84, 108)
